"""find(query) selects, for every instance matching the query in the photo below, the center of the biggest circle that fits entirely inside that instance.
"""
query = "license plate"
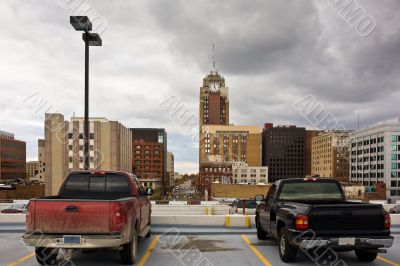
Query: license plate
(72, 240)
(349, 241)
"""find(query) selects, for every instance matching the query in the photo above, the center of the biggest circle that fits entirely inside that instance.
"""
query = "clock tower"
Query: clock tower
(214, 101)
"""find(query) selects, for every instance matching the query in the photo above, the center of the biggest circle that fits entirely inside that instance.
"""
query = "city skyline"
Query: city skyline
(140, 67)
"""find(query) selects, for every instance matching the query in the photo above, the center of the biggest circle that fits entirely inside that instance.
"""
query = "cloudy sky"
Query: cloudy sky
(273, 54)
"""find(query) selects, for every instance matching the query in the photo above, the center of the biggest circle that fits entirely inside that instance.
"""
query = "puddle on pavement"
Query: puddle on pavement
(203, 245)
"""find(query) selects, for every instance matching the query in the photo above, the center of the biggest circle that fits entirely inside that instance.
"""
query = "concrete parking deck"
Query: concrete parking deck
(177, 249)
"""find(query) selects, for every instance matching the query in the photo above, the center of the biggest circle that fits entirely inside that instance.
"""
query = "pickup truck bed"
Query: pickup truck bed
(92, 210)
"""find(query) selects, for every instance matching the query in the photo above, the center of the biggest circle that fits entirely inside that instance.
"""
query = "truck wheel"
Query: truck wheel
(287, 252)
(261, 234)
(129, 251)
(149, 233)
(46, 256)
(366, 255)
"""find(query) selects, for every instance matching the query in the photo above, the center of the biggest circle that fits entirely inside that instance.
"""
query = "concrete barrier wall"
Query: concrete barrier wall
(190, 210)
(12, 218)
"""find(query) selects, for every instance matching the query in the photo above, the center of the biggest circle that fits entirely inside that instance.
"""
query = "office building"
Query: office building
(221, 145)
(330, 155)
(149, 157)
(40, 175)
(32, 169)
(170, 169)
(242, 173)
(42, 164)
(12, 157)
(109, 141)
(375, 157)
(310, 134)
(283, 151)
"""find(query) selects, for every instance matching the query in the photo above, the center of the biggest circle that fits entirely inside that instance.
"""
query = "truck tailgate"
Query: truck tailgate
(354, 218)
(72, 217)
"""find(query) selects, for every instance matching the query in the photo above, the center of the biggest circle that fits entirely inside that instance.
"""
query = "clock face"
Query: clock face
(214, 86)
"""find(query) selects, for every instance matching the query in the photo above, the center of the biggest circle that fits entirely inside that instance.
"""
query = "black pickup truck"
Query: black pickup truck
(312, 214)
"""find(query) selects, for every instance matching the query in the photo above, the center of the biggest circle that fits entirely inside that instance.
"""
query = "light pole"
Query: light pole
(82, 23)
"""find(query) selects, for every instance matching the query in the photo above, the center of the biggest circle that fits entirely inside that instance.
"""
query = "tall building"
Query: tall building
(214, 100)
(42, 164)
(222, 145)
(110, 147)
(149, 156)
(242, 173)
(12, 157)
(40, 175)
(310, 134)
(330, 155)
(283, 151)
(170, 169)
(375, 157)
(32, 169)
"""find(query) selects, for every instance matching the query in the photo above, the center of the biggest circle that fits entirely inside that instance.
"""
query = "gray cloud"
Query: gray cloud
(272, 53)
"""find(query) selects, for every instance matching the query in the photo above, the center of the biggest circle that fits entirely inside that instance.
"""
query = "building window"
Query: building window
(160, 137)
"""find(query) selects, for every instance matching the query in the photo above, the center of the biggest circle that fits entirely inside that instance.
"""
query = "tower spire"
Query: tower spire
(214, 69)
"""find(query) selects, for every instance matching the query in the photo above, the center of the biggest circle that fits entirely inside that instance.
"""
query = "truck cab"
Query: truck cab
(312, 213)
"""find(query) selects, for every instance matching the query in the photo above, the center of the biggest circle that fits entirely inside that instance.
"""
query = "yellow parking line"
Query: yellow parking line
(27, 257)
(258, 254)
(388, 261)
(148, 251)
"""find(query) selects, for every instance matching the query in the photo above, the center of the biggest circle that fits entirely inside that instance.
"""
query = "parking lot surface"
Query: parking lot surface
(201, 250)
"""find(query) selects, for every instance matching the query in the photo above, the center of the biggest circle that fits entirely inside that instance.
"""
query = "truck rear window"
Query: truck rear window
(86, 184)
(301, 191)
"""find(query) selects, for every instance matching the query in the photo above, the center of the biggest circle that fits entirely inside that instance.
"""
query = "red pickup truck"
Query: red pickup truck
(101, 209)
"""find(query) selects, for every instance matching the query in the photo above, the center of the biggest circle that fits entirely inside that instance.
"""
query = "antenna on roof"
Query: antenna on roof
(214, 70)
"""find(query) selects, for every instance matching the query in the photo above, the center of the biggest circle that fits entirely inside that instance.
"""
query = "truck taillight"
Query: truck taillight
(387, 221)
(301, 222)
(118, 218)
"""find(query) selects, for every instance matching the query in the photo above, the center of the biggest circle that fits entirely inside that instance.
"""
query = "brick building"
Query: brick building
(149, 157)
(12, 157)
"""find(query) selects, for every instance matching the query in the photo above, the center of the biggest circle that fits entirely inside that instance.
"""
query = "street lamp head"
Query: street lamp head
(81, 23)
(94, 39)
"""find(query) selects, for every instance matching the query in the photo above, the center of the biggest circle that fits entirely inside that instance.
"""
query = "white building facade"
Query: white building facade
(242, 173)
(375, 157)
